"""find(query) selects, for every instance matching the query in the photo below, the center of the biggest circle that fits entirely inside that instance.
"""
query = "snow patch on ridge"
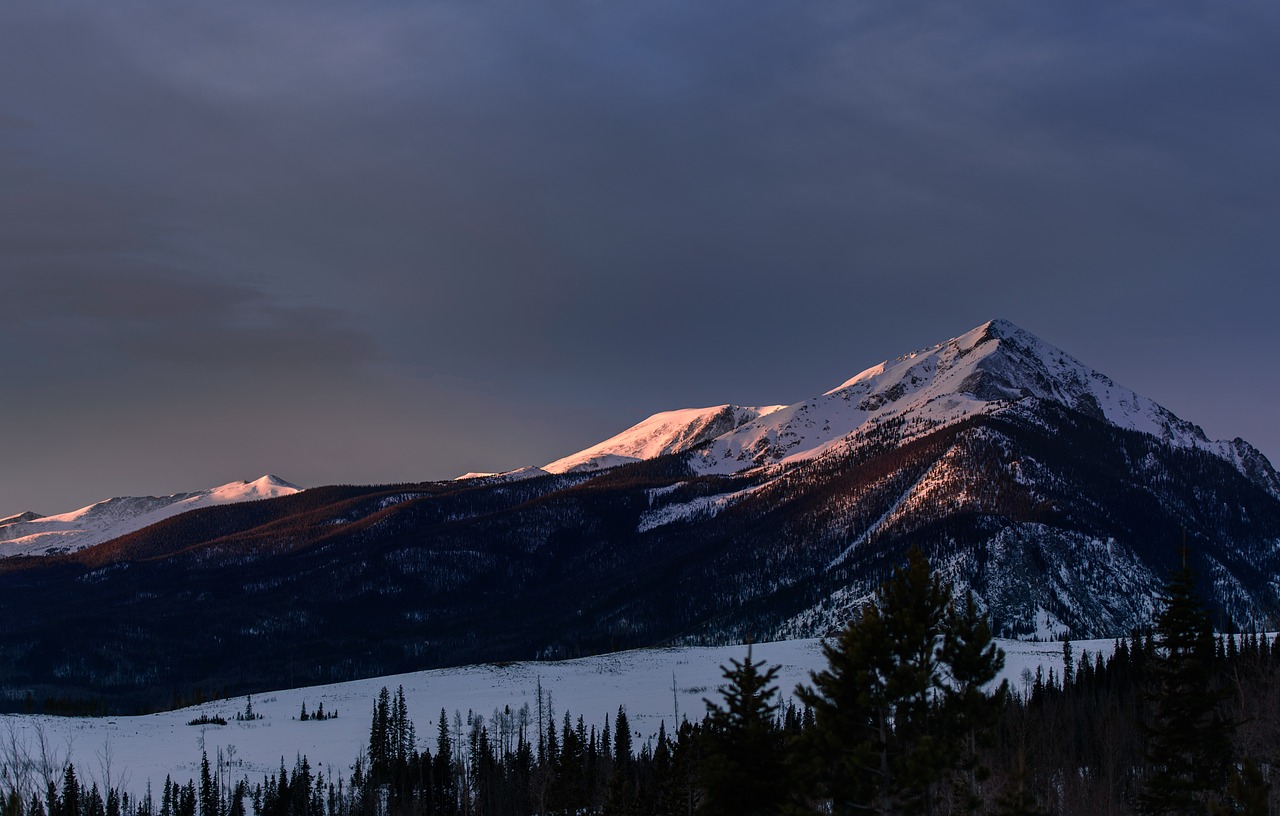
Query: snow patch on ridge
(878, 523)
(703, 507)
(661, 434)
(517, 475)
(112, 518)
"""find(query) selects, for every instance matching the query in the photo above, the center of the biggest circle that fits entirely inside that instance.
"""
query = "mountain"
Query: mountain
(14, 519)
(1059, 497)
(661, 434)
(33, 534)
(995, 367)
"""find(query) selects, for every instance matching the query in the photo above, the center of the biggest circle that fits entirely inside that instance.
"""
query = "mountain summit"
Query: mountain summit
(996, 367)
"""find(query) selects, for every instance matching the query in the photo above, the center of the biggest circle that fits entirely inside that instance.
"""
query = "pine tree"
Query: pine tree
(622, 754)
(850, 722)
(1189, 746)
(380, 738)
(661, 778)
(399, 737)
(744, 769)
(208, 788)
(971, 713)
(187, 801)
(876, 745)
(70, 800)
(92, 803)
(620, 797)
(444, 789)
(237, 799)
(567, 791)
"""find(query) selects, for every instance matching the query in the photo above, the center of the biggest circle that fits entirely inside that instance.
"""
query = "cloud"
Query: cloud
(593, 211)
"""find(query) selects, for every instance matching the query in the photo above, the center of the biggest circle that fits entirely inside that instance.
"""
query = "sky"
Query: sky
(391, 241)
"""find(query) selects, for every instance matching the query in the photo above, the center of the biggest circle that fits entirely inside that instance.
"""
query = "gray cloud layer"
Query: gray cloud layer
(383, 241)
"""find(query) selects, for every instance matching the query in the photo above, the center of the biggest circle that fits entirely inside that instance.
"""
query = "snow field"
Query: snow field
(132, 751)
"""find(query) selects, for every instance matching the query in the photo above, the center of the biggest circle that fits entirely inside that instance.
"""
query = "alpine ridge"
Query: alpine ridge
(1058, 496)
(992, 368)
(33, 534)
(661, 434)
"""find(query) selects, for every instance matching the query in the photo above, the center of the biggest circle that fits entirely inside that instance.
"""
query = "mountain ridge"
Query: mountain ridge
(984, 370)
(29, 534)
(1057, 496)
(660, 434)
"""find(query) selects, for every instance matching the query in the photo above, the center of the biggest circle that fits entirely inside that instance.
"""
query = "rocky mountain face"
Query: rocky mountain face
(1059, 497)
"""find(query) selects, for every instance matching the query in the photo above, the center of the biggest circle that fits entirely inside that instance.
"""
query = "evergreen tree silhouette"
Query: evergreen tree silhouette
(1189, 745)
(744, 766)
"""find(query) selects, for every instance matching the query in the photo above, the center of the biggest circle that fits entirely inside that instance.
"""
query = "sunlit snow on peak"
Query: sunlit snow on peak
(112, 518)
(663, 433)
(994, 367)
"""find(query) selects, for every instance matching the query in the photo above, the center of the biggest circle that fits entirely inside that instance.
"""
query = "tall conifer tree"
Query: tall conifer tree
(1189, 746)
(744, 767)
(884, 741)
(971, 712)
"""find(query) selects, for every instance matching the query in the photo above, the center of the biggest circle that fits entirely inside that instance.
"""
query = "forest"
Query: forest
(905, 719)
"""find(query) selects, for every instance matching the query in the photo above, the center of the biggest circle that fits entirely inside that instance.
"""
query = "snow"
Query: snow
(1048, 627)
(602, 461)
(660, 434)
(878, 523)
(993, 368)
(26, 516)
(112, 518)
(699, 508)
(147, 748)
(519, 474)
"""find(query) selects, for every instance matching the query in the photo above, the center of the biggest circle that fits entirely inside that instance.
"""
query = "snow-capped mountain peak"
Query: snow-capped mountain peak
(995, 367)
(264, 487)
(991, 368)
(663, 433)
(32, 534)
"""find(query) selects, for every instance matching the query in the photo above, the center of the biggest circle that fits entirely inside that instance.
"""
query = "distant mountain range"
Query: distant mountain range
(1058, 496)
(33, 534)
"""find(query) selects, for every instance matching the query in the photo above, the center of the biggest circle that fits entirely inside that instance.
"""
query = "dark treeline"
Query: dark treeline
(906, 718)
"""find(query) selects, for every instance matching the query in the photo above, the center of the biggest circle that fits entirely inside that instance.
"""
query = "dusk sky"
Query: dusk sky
(397, 241)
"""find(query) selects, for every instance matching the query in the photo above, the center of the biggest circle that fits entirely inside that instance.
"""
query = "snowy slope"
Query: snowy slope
(147, 748)
(519, 474)
(660, 434)
(14, 519)
(991, 368)
(995, 367)
(112, 518)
